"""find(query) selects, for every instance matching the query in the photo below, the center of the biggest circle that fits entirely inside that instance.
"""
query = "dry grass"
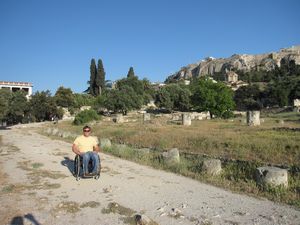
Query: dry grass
(273, 142)
(216, 138)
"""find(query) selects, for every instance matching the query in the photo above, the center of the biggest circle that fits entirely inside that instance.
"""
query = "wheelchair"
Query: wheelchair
(78, 169)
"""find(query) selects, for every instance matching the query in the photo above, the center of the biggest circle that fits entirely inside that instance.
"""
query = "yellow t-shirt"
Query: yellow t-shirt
(86, 144)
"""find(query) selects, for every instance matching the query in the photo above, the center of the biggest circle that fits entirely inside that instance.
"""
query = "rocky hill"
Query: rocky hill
(244, 62)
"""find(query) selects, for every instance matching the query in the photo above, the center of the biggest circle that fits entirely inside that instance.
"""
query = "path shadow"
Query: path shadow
(19, 220)
(69, 163)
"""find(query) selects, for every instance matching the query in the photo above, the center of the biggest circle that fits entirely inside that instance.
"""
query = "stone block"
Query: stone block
(212, 166)
(119, 118)
(273, 176)
(186, 119)
(253, 118)
(172, 156)
(146, 117)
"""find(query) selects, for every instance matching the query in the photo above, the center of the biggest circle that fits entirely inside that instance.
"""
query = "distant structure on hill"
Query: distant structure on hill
(231, 76)
(237, 62)
(17, 86)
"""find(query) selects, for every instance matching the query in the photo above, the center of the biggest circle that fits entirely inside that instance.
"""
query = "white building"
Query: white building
(17, 86)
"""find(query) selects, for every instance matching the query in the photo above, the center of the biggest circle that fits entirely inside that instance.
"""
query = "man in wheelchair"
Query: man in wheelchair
(87, 147)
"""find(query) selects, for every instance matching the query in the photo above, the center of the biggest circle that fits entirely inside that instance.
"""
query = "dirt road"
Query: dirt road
(37, 187)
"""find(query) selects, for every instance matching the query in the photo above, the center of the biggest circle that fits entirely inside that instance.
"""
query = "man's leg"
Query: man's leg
(85, 160)
(96, 162)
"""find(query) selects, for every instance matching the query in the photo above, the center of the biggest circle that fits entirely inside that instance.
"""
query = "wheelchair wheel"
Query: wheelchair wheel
(77, 167)
(99, 169)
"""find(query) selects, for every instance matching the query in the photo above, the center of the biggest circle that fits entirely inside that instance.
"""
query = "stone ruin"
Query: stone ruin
(272, 176)
(119, 118)
(296, 105)
(186, 119)
(212, 166)
(146, 117)
(253, 118)
(172, 156)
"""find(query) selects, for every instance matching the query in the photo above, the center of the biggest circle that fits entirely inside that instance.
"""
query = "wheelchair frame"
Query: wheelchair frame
(78, 169)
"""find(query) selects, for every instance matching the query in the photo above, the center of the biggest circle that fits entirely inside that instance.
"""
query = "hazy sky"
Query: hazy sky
(51, 43)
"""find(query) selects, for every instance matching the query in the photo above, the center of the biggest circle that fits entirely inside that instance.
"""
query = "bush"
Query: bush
(85, 117)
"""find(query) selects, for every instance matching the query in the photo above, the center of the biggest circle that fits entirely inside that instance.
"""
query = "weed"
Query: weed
(91, 204)
(36, 165)
(9, 188)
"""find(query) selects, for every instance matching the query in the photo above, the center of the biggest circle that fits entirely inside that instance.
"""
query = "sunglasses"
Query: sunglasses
(86, 130)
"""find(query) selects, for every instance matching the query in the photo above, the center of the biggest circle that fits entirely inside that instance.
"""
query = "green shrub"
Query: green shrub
(85, 117)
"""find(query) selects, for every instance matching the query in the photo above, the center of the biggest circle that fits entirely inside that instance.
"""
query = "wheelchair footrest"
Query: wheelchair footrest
(90, 174)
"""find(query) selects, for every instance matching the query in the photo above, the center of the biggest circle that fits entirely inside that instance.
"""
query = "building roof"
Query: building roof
(10, 83)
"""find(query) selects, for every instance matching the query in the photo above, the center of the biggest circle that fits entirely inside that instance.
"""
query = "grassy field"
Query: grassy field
(241, 148)
(272, 142)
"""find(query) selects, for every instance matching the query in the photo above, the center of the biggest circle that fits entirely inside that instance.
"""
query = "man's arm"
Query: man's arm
(75, 150)
(96, 148)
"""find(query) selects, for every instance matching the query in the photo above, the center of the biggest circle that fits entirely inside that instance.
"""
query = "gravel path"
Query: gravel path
(37, 187)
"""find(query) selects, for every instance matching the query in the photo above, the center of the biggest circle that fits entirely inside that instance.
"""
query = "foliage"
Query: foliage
(64, 97)
(130, 73)
(133, 82)
(213, 97)
(93, 72)
(100, 79)
(122, 100)
(5, 96)
(97, 78)
(149, 92)
(174, 97)
(99, 102)
(18, 105)
(82, 100)
(295, 91)
(130, 93)
(85, 116)
(43, 106)
(247, 98)
(163, 99)
(282, 84)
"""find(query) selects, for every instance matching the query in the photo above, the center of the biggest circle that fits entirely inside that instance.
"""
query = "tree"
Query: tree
(93, 73)
(122, 100)
(17, 107)
(149, 92)
(216, 98)
(247, 98)
(101, 74)
(174, 97)
(64, 97)
(5, 96)
(43, 106)
(82, 100)
(99, 79)
(295, 92)
(130, 73)
(163, 99)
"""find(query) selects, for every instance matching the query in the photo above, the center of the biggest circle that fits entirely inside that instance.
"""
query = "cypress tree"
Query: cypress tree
(100, 79)
(93, 73)
(130, 72)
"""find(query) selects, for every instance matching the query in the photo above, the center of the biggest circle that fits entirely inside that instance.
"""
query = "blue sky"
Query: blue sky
(51, 43)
